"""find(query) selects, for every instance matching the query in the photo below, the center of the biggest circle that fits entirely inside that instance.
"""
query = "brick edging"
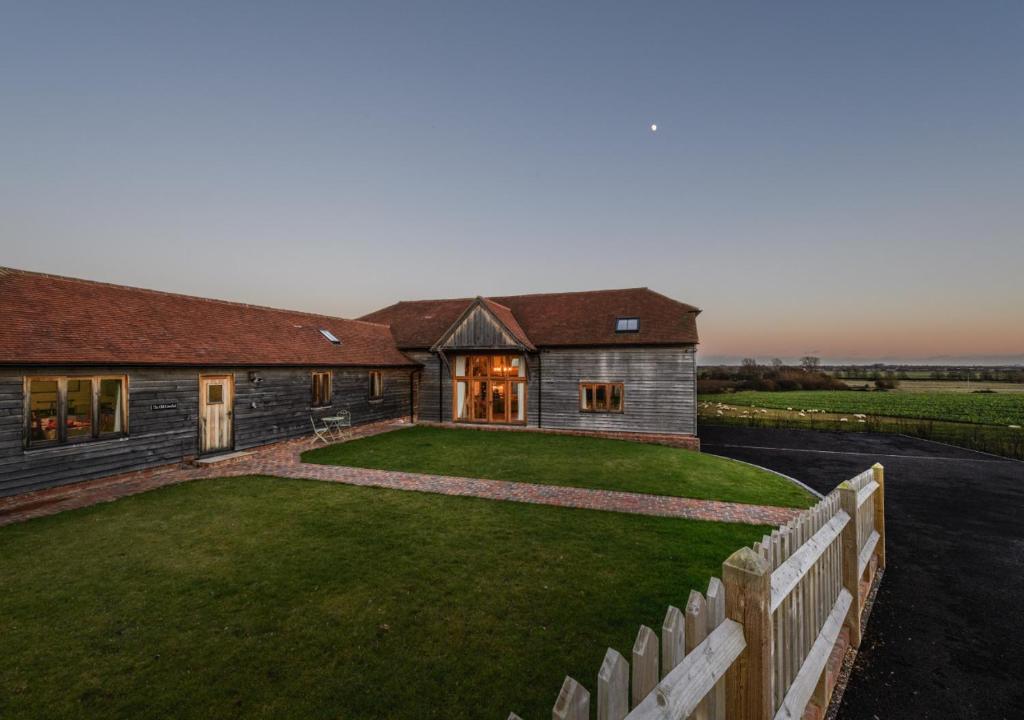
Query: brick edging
(688, 442)
(70, 495)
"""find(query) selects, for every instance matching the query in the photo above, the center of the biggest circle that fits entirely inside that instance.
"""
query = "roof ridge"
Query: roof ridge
(693, 308)
(577, 292)
(233, 303)
(520, 295)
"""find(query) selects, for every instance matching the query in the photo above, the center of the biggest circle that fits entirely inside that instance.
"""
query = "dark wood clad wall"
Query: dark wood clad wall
(658, 382)
(163, 419)
(283, 402)
(428, 384)
(157, 437)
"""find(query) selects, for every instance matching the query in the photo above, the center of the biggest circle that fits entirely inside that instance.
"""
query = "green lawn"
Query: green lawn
(982, 408)
(270, 598)
(565, 460)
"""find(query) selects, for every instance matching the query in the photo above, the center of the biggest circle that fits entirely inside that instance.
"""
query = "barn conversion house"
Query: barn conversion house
(98, 379)
(618, 361)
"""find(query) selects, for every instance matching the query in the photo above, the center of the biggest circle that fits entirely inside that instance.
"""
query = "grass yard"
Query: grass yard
(958, 386)
(269, 598)
(979, 408)
(565, 460)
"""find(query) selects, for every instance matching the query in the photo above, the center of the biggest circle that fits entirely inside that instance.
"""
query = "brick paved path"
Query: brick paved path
(282, 460)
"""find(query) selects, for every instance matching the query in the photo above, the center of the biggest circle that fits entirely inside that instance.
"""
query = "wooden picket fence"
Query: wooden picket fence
(756, 645)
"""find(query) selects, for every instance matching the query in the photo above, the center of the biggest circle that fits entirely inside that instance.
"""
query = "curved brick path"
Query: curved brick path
(282, 460)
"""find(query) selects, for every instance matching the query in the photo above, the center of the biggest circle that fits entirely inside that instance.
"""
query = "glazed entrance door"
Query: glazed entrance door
(489, 389)
(478, 409)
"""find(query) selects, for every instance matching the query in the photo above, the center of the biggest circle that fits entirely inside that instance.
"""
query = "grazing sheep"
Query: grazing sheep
(843, 420)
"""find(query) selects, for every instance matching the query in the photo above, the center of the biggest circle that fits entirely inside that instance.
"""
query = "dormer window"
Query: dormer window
(330, 337)
(627, 325)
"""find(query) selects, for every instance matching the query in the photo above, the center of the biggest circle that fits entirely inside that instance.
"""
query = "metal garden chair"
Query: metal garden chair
(323, 432)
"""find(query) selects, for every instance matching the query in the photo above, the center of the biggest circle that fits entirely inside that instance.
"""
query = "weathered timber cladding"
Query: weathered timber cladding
(479, 330)
(658, 384)
(433, 371)
(156, 437)
(170, 433)
(283, 401)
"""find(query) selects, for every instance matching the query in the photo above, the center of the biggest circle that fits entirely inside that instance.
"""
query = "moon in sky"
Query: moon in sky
(654, 128)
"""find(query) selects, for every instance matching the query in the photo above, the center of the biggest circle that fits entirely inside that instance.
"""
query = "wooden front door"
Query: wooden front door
(216, 412)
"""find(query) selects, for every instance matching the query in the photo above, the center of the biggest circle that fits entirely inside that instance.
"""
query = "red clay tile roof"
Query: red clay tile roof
(509, 320)
(555, 319)
(58, 320)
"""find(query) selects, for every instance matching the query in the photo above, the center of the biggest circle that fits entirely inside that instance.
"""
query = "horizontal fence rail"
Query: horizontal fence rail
(757, 644)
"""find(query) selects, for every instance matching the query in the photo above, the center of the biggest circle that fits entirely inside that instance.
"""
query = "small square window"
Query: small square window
(631, 324)
(214, 394)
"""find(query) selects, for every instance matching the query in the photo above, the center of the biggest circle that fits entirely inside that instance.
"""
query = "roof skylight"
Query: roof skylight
(330, 336)
(628, 324)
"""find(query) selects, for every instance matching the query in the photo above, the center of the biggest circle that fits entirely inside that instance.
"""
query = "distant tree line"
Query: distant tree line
(962, 374)
(776, 376)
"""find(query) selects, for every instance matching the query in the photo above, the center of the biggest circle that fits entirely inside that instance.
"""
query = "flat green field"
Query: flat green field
(565, 460)
(960, 386)
(980, 408)
(268, 598)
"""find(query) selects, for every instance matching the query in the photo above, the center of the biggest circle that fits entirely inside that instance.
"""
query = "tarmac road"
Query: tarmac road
(946, 636)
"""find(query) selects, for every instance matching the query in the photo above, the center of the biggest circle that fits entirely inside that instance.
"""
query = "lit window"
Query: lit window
(489, 388)
(74, 409)
(601, 397)
(321, 389)
(376, 384)
(111, 403)
(630, 324)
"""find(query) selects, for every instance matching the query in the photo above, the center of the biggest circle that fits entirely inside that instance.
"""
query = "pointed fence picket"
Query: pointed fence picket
(754, 647)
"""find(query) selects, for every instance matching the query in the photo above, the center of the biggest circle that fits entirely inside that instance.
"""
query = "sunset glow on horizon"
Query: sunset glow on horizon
(814, 184)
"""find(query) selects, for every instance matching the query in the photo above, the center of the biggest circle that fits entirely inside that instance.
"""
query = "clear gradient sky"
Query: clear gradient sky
(842, 179)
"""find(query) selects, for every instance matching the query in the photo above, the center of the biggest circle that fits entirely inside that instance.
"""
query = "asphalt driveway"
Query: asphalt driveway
(946, 635)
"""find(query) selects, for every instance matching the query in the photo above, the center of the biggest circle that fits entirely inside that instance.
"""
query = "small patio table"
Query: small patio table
(337, 424)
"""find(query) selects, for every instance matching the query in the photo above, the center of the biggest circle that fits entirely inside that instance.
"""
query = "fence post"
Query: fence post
(673, 640)
(696, 632)
(716, 616)
(879, 473)
(613, 687)
(748, 595)
(573, 702)
(851, 559)
(645, 664)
